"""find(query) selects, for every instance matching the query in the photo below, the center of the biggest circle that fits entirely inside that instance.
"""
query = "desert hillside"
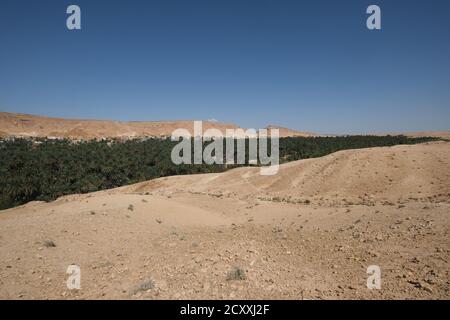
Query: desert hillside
(358, 176)
(286, 132)
(309, 232)
(23, 125)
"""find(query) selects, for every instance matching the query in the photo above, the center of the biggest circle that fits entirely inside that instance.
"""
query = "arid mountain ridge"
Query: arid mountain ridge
(24, 125)
(34, 126)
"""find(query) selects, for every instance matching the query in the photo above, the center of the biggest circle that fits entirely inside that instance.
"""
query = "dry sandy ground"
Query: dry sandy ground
(309, 232)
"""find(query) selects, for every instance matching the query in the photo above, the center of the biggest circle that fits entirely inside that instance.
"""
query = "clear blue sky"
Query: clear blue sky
(309, 65)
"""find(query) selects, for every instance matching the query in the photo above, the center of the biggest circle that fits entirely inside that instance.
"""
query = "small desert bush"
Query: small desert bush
(49, 244)
(144, 286)
(236, 273)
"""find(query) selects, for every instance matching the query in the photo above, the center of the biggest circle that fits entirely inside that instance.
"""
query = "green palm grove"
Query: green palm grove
(41, 169)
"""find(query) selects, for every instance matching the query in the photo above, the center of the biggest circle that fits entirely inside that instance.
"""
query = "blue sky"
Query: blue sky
(308, 65)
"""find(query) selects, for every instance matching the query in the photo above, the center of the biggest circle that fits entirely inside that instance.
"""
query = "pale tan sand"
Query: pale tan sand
(24, 125)
(309, 232)
(286, 132)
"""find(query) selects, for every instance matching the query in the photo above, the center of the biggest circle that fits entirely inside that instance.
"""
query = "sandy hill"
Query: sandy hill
(286, 132)
(309, 232)
(23, 125)
(374, 174)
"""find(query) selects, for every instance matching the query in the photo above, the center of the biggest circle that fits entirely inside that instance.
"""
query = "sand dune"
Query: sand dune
(309, 232)
(381, 174)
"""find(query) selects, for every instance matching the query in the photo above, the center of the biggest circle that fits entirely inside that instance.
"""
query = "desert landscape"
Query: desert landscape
(32, 126)
(309, 232)
(232, 157)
